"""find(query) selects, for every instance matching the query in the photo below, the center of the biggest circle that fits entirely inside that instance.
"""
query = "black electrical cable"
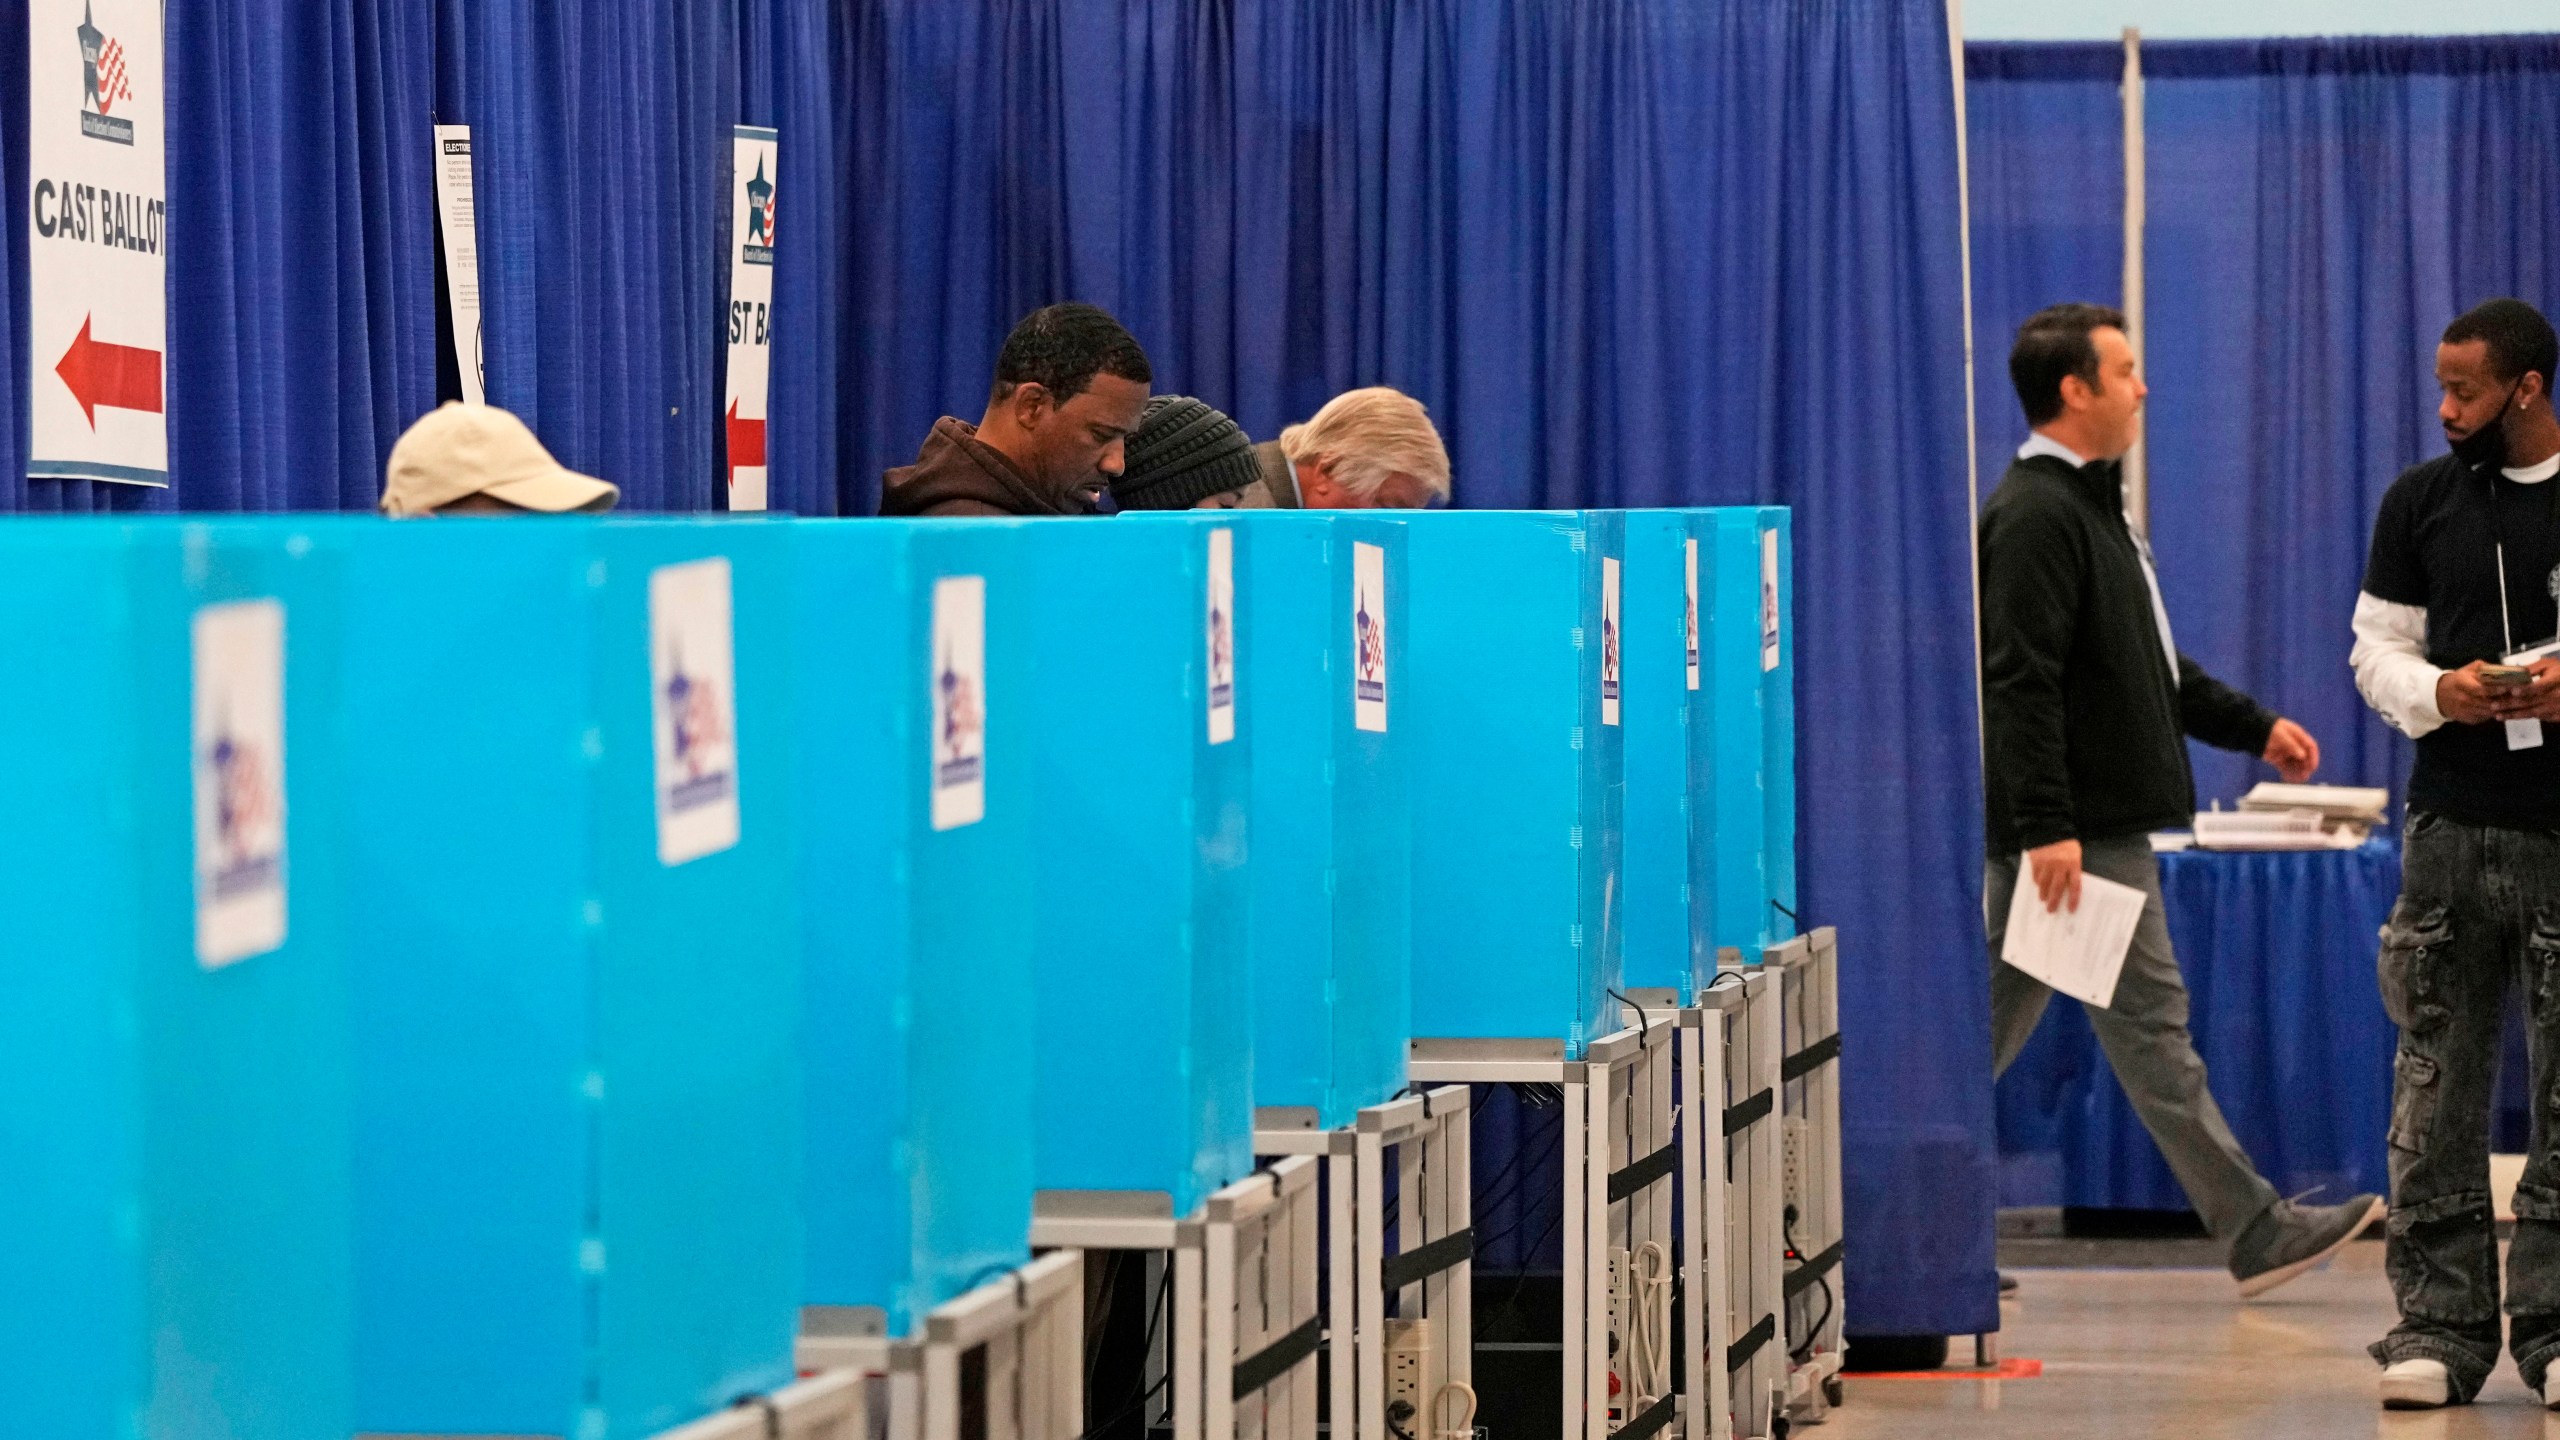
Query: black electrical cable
(1644, 1023)
(1790, 914)
(1795, 1252)
(1123, 1413)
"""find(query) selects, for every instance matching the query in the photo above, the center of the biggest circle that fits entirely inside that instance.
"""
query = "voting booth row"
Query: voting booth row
(729, 978)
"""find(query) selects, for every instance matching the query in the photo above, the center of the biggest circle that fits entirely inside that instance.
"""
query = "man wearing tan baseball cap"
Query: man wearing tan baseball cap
(480, 460)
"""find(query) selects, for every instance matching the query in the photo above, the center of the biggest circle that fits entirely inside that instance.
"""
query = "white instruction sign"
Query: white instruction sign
(959, 688)
(1608, 640)
(1692, 623)
(97, 241)
(1222, 636)
(1368, 637)
(238, 701)
(754, 166)
(1768, 600)
(693, 702)
(458, 225)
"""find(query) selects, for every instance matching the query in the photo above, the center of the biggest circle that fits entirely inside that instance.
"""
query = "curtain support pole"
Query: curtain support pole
(2137, 468)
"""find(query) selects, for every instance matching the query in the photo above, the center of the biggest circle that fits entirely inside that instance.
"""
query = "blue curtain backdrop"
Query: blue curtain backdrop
(1630, 252)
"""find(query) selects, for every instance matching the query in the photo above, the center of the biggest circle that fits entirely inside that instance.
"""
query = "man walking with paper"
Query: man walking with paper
(2086, 706)
(2454, 649)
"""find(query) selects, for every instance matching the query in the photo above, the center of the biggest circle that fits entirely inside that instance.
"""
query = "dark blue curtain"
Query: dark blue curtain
(2324, 207)
(2044, 154)
(302, 239)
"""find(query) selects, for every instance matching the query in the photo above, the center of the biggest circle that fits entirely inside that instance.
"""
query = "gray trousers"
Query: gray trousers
(2144, 1035)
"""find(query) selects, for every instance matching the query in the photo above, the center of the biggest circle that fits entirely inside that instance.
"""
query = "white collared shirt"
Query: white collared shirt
(2039, 443)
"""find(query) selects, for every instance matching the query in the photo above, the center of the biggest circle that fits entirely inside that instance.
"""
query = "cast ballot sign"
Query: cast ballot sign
(97, 262)
(755, 164)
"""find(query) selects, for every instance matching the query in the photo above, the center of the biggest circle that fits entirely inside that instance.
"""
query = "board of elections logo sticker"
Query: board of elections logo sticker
(1368, 637)
(1608, 641)
(693, 705)
(239, 780)
(958, 686)
(758, 249)
(104, 82)
(1692, 563)
(1222, 636)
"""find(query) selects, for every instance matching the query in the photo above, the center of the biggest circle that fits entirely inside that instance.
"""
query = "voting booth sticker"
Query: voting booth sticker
(239, 780)
(694, 709)
(1222, 636)
(1608, 640)
(97, 257)
(959, 689)
(1768, 599)
(1692, 624)
(1368, 637)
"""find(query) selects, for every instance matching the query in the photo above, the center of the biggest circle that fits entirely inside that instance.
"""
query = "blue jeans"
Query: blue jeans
(2478, 915)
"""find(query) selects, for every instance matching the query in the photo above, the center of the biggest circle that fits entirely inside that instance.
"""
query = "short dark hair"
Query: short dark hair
(2052, 344)
(1061, 348)
(2519, 339)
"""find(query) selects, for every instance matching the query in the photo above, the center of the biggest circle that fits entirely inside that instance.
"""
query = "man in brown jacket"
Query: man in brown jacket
(1070, 383)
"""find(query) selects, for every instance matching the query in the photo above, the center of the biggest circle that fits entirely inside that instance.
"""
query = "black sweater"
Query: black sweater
(2082, 713)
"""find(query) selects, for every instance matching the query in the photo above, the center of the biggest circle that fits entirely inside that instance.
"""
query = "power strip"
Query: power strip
(1408, 1363)
(1796, 1137)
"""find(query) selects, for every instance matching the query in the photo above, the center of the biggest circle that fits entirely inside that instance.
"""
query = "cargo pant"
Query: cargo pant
(2479, 914)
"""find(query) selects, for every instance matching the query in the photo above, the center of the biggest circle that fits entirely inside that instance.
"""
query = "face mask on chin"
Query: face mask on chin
(2486, 447)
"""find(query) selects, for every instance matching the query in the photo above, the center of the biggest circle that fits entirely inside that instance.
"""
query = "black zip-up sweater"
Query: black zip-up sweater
(2083, 716)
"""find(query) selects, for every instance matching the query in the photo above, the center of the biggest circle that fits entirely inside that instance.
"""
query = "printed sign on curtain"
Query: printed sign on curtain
(238, 704)
(1222, 636)
(958, 686)
(694, 705)
(1608, 640)
(457, 229)
(97, 313)
(750, 329)
(1368, 637)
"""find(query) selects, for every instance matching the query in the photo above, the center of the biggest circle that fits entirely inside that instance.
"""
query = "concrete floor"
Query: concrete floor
(2173, 1352)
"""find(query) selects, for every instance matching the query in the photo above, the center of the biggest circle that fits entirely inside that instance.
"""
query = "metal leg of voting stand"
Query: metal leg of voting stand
(1809, 1024)
(1618, 1153)
(1029, 1326)
(1744, 1003)
(1432, 1272)
(1706, 1317)
(1252, 1245)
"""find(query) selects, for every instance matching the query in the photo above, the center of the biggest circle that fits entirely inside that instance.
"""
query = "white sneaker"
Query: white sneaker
(2426, 1385)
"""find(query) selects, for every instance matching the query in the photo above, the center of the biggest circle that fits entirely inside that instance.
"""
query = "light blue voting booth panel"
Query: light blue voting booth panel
(1517, 775)
(1332, 871)
(698, 988)
(912, 658)
(1751, 719)
(1142, 988)
(173, 1079)
(1662, 674)
(470, 967)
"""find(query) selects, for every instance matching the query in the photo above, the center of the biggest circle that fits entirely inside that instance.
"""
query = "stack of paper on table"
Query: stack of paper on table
(2273, 830)
(2349, 808)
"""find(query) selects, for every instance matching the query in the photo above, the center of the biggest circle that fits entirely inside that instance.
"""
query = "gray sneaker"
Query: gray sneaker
(2291, 1240)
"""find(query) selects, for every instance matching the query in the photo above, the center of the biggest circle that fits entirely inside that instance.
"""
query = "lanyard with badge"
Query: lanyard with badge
(2521, 734)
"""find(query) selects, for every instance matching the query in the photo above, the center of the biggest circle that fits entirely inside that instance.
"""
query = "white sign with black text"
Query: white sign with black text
(97, 262)
(755, 167)
(457, 225)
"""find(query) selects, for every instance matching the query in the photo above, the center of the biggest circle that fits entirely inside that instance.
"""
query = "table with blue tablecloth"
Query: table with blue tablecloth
(2278, 950)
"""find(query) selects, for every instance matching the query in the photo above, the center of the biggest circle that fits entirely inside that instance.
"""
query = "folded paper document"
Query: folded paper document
(2078, 952)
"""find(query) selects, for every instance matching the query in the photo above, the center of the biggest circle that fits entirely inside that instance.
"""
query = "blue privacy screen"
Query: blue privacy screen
(1751, 717)
(173, 1093)
(1517, 799)
(1332, 870)
(918, 929)
(1144, 1075)
(1663, 671)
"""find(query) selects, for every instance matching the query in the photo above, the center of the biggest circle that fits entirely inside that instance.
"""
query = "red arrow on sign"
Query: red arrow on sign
(123, 377)
(746, 444)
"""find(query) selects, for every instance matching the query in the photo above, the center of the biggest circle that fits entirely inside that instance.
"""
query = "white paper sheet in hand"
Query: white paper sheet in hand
(2077, 952)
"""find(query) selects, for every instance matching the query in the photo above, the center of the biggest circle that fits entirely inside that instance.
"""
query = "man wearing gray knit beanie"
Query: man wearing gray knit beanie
(1373, 448)
(1183, 452)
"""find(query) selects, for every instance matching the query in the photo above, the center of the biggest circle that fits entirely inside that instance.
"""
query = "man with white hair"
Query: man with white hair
(1368, 449)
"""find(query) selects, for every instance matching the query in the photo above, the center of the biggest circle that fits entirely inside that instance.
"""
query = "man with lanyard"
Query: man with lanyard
(2454, 649)
(2086, 708)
